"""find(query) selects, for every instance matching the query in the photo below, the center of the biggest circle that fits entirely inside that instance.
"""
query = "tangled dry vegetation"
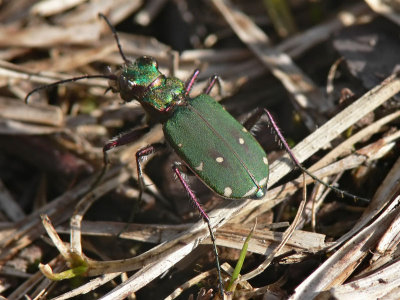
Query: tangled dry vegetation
(327, 70)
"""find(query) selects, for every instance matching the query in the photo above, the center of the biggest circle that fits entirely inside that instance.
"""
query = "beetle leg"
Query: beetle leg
(117, 141)
(205, 218)
(255, 117)
(252, 120)
(139, 157)
(214, 79)
(192, 196)
(140, 154)
(300, 166)
(123, 139)
(189, 83)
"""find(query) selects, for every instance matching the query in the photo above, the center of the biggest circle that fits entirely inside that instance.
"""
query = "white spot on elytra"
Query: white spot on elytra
(180, 145)
(227, 191)
(219, 159)
(200, 167)
(265, 160)
(244, 129)
(241, 141)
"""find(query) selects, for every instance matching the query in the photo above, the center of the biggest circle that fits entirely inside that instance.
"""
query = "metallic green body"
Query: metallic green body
(217, 148)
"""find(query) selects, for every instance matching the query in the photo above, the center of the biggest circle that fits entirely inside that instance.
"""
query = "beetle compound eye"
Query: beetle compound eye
(123, 83)
(128, 89)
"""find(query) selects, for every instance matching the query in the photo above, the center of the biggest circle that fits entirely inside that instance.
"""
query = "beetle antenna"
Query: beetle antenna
(110, 76)
(112, 28)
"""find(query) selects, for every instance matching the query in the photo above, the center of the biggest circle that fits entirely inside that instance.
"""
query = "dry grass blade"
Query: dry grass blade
(347, 145)
(150, 233)
(9, 205)
(381, 284)
(297, 44)
(15, 72)
(390, 239)
(52, 7)
(263, 242)
(147, 14)
(286, 236)
(385, 8)
(151, 271)
(298, 84)
(340, 265)
(88, 287)
(42, 35)
(36, 282)
(30, 228)
(39, 114)
(381, 198)
(190, 283)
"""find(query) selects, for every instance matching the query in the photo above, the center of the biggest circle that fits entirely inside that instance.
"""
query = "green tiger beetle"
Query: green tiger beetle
(212, 144)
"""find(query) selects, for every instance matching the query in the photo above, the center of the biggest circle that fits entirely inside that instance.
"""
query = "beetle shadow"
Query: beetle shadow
(290, 177)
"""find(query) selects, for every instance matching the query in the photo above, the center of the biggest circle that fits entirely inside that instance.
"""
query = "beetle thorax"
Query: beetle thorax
(163, 96)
